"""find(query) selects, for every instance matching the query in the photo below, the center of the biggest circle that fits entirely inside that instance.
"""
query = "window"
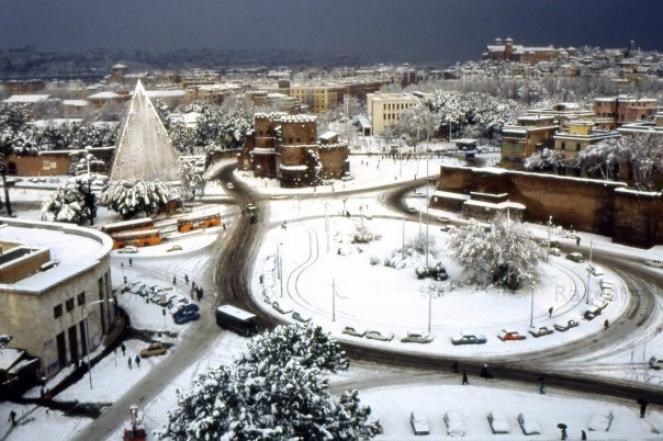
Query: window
(57, 311)
(578, 147)
(81, 299)
(69, 304)
(563, 146)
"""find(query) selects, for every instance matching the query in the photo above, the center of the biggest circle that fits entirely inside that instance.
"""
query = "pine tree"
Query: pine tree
(72, 202)
(128, 198)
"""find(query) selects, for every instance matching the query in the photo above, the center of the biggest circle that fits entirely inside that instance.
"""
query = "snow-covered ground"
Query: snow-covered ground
(377, 297)
(392, 405)
(367, 172)
(37, 423)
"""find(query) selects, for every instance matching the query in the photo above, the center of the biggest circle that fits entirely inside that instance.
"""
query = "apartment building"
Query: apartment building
(385, 109)
(578, 136)
(529, 135)
(611, 112)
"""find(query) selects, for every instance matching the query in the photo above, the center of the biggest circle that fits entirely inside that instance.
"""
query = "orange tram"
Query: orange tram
(136, 238)
(196, 222)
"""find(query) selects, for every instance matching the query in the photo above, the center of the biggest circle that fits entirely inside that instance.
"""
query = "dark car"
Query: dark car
(185, 315)
(468, 339)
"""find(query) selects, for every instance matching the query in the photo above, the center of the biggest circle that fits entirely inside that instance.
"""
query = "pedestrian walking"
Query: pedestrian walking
(124, 350)
(542, 386)
(465, 380)
(131, 262)
(202, 293)
(564, 434)
(122, 266)
(550, 311)
(643, 407)
(174, 280)
(129, 362)
(137, 359)
(224, 226)
(42, 393)
(583, 435)
(577, 240)
(12, 417)
(606, 324)
(186, 279)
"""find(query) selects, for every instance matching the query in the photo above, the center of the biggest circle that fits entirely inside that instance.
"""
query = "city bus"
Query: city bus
(130, 225)
(236, 319)
(136, 238)
(195, 222)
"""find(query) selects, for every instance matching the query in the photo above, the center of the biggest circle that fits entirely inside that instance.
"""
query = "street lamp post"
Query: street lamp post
(333, 299)
(531, 306)
(87, 334)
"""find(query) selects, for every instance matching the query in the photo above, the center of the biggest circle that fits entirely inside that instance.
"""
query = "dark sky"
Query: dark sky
(414, 30)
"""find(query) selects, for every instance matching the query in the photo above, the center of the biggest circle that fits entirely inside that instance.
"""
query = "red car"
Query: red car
(510, 335)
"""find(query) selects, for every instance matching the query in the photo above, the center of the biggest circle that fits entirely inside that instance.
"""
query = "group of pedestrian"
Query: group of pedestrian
(130, 361)
(196, 290)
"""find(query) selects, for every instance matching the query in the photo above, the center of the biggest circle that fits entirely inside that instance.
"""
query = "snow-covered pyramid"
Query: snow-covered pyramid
(143, 149)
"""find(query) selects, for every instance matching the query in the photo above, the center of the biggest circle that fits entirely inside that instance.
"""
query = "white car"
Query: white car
(554, 251)
(528, 424)
(498, 422)
(128, 250)
(656, 363)
(230, 186)
(601, 421)
(381, 336)
(455, 425)
(654, 263)
(419, 424)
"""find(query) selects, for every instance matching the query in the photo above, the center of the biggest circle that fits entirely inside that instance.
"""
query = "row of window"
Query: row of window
(68, 305)
(578, 146)
(397, 106)
(392, 116)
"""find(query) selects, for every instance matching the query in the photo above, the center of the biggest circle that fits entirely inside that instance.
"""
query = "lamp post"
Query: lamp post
(87, 334)
(531, 306)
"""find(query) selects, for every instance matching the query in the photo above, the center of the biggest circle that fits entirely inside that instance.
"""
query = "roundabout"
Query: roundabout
(374, 287)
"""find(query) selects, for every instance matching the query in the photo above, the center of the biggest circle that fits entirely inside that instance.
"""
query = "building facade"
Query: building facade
(385, 109)
(578, 136)
(55, 290)
(532, 133)
(611, 112)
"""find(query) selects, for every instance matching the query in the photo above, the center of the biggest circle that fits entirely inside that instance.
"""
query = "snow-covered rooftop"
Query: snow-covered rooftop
(27, 99)
(170, 93)
(75, 103)
(77, 249)
(9, 356)
(106, 95)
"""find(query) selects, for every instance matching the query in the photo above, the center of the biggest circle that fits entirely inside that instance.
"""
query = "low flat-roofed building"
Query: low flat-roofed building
(578, 136)
(385, 109)
(531, 133)
(52, 278)
(610, 112)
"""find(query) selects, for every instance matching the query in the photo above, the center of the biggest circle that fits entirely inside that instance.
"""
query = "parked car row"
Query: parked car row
(373, 334)
(499, 424)
(601, 302)
(455, 425)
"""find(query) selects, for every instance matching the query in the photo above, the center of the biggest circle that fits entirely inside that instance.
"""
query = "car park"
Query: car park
(128, 250)
(455, 424)
(528, 424)
(510, 335)
(152, 350)
(381, 336)
(498, 423)
(414, 337)
(468, 339)
(349, 330)
(419, 424)
(563, 327)
(540, 332)
(300, 318)
(575, 257)
(601, 421)
(282, 309)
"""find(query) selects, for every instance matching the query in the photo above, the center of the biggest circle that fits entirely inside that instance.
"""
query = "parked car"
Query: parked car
(413, 337)
(455, 424)
(349, 330)
(411, 210)
(152, 350)
(185, 316)
(575, 257)
(554, 251)
(563, 327)
(419, 424)
(656, 363)
(418, 194)
(128, 250)
(601, 421)
(445, 228)
(174, 248)
(606, 285)
(468, 339)
(300, 318)
(541, 332)
(654, 263)
(528, 424)
(590, 315)
(281, 309)
(230, 186)
(443, 219)
(188, 307)
(594, 271)
(498, 422)
(377, 335)
(510, 335)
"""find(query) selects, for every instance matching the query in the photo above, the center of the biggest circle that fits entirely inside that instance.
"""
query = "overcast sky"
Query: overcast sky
(415, 30)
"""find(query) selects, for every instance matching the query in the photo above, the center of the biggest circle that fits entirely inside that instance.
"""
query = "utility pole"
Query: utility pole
(333, 299)
(427, 206)
(531, 306)
(403, 239)
(430, 309)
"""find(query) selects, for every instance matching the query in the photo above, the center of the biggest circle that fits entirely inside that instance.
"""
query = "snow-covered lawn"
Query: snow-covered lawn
(37, 423)
(367, 172)
(394, 300)
(392, 405)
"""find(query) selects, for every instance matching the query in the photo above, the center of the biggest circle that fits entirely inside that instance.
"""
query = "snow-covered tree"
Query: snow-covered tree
(72, 202)
(638, 157)
(278, 390)
(129, 198)
(546, 160)
(191, 179)
(416, 124)
(504, 254)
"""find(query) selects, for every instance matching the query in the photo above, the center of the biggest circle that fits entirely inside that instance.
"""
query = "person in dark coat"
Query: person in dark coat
(12, 418)
(137, 360)
(643, 407)
(129, 362)
(583, 435)
(465, 380)
(124, 350)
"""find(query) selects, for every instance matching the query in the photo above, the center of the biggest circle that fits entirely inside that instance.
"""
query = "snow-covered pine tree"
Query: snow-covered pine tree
(128, 198)
(69, 203)
(504, 254)
(276, 391)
